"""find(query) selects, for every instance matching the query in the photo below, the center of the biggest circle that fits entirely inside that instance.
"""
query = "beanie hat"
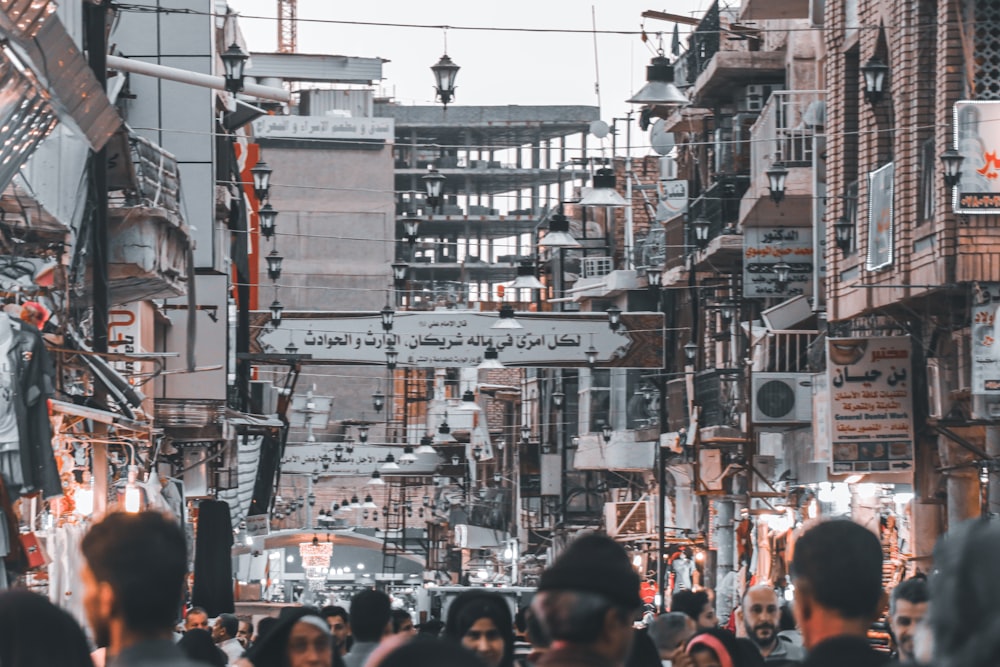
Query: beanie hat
(595, 564)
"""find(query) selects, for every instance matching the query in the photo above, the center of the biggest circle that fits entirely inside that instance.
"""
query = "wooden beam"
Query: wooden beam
(664, 16)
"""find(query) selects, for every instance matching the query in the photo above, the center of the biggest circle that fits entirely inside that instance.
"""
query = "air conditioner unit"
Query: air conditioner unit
(782, 398)
(632, 519)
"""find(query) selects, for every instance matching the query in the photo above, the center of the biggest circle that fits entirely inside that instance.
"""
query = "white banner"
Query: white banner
(871, 404)
(763, 248)
(324, 127)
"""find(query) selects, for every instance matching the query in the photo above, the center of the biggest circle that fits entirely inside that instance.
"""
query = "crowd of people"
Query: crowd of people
(585, 613)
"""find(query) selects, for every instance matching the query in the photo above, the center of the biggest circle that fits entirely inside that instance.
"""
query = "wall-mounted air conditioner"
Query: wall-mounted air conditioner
(782, 398)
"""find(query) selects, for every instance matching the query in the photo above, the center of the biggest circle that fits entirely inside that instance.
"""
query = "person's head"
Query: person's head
(428, 650)
(339, 621)
(716, 647)
(696, 605)
(226, 626)
(133, 576)
(761, 614)
(521, 622)
(965, 596)
(199, 645)
(35, 314)
(670, 632)
(245, 632)
(402, 622)
(907, 608)
(264, 626)
(196, 619)
(837, 573)
(590, 596)
(370, 611)
(481, 622)
(298, 638)
(643, 652)
(432, 626)
(30, 622)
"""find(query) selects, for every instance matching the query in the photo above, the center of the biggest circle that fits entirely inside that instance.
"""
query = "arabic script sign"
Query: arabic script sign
(453, 338)
(871, 404)
(324, 127)
(765, 247)
(977, 138)
(985, 346)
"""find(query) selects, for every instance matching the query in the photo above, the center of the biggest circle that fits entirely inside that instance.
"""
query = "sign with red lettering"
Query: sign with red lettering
(977, 138)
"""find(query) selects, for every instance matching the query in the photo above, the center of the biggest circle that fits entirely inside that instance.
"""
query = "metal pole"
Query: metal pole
(97, 49)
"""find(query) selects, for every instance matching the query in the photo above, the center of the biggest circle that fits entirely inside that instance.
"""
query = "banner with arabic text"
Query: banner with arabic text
(765, 247)
(977, 138)
(871, 404)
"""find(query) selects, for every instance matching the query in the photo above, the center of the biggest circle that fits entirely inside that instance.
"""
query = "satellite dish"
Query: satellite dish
(661, 140)
(599, 128)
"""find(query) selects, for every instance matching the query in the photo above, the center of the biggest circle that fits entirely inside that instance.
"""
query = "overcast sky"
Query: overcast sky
(497, 67)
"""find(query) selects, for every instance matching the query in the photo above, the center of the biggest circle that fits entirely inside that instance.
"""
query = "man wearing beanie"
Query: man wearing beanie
(586, 603)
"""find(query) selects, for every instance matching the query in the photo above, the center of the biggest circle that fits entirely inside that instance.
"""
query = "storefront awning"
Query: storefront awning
(101, 416)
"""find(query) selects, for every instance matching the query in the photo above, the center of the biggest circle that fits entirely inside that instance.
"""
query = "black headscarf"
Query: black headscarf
(271, 649)
(471, 606)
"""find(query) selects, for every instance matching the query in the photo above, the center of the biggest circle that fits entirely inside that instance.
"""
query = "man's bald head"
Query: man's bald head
(761, 615)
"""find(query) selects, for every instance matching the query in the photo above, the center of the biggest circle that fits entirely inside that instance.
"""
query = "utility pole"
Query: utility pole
(96, 27)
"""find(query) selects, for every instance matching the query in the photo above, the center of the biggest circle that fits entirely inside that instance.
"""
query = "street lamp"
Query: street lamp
(874, 73)
(603, 193)
(274, 265)
(701, 228)
(659, 89)
(234, 59)
(614, 318)
(776, 177)
(690, 350)
(444, 436)
(445, 71)
(376, 479)
(558, 399)
(606, 432)
(408, 456)
(843, 231)
(506, 318)
(526, 276)
(491, 359)
(292, 349)
(952, 160)
(525, 433)
(267, 216)
(399, 270)
(727, 310)
(425, 446)
(654, 277)
(469, 402)
(387, 317)
(410, 227)
(558, 235)
(783, 271)
(363, 433)
(378, 400)
(389, 463)
(261, 173)
(433, 183)
(592, 353)
(276, 309)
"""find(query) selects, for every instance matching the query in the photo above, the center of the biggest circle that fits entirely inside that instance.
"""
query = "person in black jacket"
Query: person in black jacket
(837, 573)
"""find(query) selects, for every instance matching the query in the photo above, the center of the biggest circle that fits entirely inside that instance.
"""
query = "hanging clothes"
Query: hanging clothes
(33, 386)
(213, 561)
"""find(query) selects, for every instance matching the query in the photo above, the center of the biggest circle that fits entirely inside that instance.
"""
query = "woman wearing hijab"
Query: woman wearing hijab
(198, 645)
(301, 638)
(482, 623)
(720, 648)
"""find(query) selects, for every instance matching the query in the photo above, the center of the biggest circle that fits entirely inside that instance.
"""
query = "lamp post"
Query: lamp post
(433, 183)
(843, 231)
(776, 177)
(234, 59)
(874, 72)
(701, 228)
(952, 160)
(445, 71)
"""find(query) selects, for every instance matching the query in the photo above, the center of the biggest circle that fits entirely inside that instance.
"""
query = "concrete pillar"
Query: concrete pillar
(925, 528)
(724, 551)
(993, 449)
(963, 495)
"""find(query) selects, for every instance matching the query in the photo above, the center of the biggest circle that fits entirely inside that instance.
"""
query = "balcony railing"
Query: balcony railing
(786, 352)
(786, 130)
(704, 44)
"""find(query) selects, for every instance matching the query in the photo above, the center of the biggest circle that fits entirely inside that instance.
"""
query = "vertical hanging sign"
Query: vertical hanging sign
(880, 218)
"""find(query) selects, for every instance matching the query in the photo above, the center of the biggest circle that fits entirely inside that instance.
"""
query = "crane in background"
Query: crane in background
(287, 26)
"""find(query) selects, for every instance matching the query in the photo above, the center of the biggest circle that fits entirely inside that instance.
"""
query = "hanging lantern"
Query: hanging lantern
(267, 216)
(274, 261)
(234, 60)
(445, 72)
(261, 180)
(276, 309)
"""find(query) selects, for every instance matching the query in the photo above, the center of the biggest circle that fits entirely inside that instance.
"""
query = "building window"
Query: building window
(925, 193)
(985, 24)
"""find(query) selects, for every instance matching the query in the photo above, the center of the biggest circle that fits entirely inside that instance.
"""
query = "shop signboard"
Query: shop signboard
(765, 247)
(673, 199)
(881, 252)
(324, 127)
(871, 404)
(977, 139)
(455, 338)
(985, 349)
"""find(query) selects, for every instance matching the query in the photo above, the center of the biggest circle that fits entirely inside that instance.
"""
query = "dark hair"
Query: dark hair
(786, 621)
(398, 617)
(30, 623)
(533, 629)
(333, 611)
(688, 602)
(198, 645)
(742, 652)
(471, 606)
(966, 594)
(249, 621)
(272, 644)
(839, 563)
(143, 557)
(265, 625)
(369, 615)
(576, 617)
(426, 650)
(520, 619)
(432, 626)
(196, 610)
(230, 624)
(643, 652)
(913, 590)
